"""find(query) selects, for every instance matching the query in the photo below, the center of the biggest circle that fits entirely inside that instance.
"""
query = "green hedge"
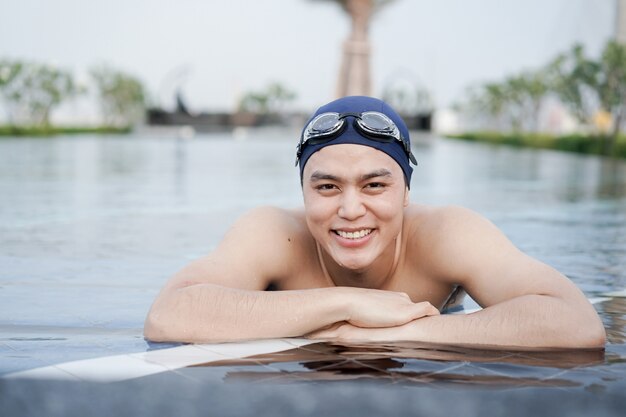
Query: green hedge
(52, 130)
(586, 144)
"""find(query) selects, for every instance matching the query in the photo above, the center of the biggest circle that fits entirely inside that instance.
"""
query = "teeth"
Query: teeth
(354, 235)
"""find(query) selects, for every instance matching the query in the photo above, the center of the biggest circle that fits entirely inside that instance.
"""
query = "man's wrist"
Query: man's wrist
(420, 330)
(342, 302)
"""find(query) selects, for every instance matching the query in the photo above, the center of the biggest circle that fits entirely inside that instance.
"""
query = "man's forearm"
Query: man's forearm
(211, 313)
(532, 321)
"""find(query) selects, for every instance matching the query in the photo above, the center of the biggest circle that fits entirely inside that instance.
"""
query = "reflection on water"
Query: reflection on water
(552, 176)
(87, 218)
(415, 363)
(613, 312)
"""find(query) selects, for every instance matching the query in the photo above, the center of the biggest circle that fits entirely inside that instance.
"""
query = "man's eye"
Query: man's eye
(323, 187)
(375, 185)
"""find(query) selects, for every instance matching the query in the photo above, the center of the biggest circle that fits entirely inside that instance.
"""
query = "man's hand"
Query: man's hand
(531, 321)
(379, 308)
(346, 332)
(379, 316)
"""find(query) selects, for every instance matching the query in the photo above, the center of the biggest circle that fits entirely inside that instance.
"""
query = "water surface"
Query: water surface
(92, 226)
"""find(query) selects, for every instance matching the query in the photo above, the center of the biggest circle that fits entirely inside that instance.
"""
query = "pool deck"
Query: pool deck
(169, 394)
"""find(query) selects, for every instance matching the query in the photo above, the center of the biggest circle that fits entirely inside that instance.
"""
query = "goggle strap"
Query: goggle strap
(374, 134)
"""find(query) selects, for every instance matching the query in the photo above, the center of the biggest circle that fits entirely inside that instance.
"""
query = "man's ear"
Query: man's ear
(406, 196)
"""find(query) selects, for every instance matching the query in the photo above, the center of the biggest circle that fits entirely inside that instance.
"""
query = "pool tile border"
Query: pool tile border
(135, 365)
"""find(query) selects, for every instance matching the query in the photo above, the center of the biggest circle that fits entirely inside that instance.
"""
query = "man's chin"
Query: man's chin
(353, 263)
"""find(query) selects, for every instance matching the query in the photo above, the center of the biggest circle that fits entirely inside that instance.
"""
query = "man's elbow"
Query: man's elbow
(588, 334)
(165, 321)
(594, 336)
(160, 326)
(164, 326)
(155, 330)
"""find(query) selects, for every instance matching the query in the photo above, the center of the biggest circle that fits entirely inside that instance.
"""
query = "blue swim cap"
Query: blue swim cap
(357, 105)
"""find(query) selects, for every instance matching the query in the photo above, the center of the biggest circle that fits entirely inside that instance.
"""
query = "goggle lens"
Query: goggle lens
(379, 125)
(323, 126)
(325, 122)
(376, 121)
(375, 125)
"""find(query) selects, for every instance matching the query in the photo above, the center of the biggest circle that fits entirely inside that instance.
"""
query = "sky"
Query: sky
(216, 50)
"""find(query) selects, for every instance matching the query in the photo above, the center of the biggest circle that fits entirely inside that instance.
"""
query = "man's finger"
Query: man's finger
(426, 309)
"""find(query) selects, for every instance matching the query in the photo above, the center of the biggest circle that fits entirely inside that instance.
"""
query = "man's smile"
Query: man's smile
(357, 234)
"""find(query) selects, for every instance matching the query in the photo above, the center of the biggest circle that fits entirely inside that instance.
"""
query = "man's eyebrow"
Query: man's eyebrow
(374, 174)
(322, 176)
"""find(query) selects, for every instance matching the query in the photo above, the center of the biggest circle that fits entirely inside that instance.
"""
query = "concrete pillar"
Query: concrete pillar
(354, 73)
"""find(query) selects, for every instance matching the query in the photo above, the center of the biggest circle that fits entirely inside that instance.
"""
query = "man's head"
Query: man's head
(357, 120)
(355, 173)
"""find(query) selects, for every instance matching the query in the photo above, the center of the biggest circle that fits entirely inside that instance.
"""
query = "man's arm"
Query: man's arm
(221, 297)
(526, 303)
(523, 322)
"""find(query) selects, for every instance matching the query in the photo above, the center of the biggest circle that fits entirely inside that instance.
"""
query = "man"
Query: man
(359, 262)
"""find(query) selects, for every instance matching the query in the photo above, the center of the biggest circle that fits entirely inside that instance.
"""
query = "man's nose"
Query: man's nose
(351, 206)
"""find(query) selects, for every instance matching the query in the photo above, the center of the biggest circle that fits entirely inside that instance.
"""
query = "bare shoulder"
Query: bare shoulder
(271, 222)
(454, 241)
(270, 235)
(437, 222)
(258, 249)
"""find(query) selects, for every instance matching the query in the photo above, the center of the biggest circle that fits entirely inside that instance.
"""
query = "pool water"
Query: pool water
(92, 226)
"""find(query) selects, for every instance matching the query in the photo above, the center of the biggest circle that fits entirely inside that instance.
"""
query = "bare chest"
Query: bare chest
(420, 288)
(417, 286)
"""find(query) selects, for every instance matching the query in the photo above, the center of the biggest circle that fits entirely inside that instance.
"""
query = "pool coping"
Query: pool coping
(136, 365)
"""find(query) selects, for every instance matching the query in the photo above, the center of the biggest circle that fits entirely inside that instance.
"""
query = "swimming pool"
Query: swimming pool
(92, 226)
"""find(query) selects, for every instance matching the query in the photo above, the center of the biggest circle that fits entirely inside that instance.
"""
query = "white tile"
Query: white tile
(178, 357)
(251, 348)
(111, 368)
(104, 369)
(122, 367)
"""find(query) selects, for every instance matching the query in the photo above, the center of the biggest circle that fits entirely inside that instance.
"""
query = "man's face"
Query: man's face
(354, 199)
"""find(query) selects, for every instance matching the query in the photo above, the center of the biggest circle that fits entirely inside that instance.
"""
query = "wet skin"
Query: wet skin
(382, 270)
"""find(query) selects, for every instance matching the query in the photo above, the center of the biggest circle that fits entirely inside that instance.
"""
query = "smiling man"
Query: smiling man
(359, 262)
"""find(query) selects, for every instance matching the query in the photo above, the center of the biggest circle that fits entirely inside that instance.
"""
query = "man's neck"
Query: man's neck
(374, 276)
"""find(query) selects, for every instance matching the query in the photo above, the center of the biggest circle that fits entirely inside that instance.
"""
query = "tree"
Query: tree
(536, 88)
(9, 72)
(591, 87)
(122, 96)
(31, 90)
(524, 94)
(489, 99)
(514, 103)
(574, 79)
(272, 100)
(612, 87)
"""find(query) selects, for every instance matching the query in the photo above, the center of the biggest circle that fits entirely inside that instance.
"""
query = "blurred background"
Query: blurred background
(480, 65)
(132, 134)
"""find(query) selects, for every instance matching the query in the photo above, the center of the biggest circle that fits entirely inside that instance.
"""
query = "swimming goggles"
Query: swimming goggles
(371, 124)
